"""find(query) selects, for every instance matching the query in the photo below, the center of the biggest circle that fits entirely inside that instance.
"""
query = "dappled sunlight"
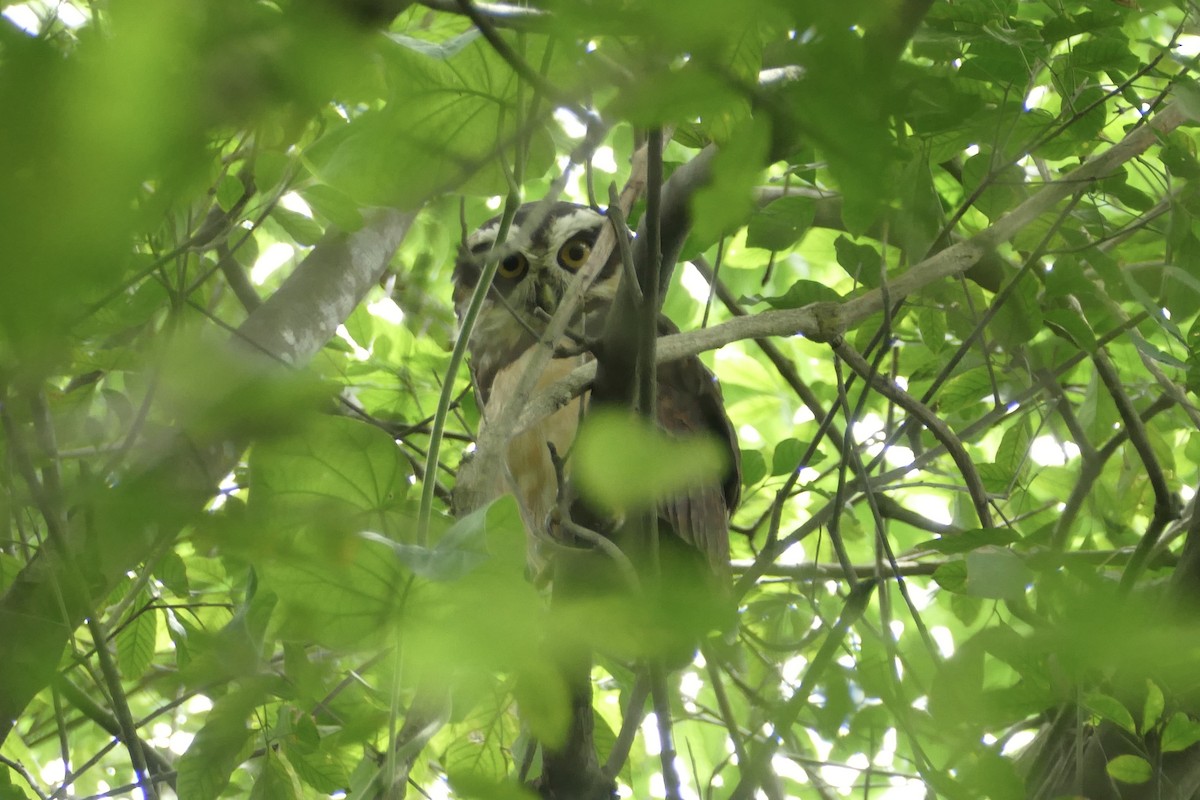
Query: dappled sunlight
(303, 493)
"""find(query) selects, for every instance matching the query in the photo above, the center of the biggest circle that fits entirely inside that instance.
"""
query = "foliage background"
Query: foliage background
(966, 568)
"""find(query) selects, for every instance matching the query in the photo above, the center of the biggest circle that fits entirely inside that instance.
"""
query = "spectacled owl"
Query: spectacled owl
(529, 284)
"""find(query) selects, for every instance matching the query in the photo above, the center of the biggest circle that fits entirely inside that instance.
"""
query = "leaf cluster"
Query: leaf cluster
(964, 560)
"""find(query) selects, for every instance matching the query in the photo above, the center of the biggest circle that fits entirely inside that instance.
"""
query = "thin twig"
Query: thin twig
(931, 421)
(617, 217)
(785, 716)
(634, 713)
(17, 767)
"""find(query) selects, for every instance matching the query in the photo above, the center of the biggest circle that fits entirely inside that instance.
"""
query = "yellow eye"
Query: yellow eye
(574, 254)
(513, 266)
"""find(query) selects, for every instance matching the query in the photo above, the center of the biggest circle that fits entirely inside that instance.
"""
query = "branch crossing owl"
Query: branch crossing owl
(529, 284)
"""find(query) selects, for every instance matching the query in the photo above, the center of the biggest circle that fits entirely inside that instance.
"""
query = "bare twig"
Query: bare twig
(18, 768)
(616, 218)
(785, 717)
(635, 712)
(930, 420)
(1166, 503)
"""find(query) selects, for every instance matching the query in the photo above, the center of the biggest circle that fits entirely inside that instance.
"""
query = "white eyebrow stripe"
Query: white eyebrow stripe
(580, 219)
(487, 234)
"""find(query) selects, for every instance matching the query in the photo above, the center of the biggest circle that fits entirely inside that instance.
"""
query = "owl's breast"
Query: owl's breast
(497, 342)
(530, 472)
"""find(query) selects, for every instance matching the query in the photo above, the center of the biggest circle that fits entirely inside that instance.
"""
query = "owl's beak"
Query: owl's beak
(548, 294)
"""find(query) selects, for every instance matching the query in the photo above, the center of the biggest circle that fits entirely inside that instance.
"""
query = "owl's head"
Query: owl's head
(530, 281)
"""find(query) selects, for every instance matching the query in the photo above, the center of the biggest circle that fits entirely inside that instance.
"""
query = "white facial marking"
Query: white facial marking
(564, 227)
(487, 235)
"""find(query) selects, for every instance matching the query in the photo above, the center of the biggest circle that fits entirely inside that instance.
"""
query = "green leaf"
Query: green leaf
(798, 295)
(1000, 186)
(361, 325)
(997, 573)
(219, 746)
(1187, 94)
(344, 596)
(305, 231)
(1074, 326)
(754, 467)
(996, 479)
(967, 541)
(545, 703)
(7, 790)
(952, 576)
(229, 191)
(172, 572)
(623, 462)
(920, 215)
(1018, 651)
(1019, 319)
(1130, 769)
(786, 458)
(994, 777)
(1152, 710)
(1180, 733)
(277, 780)
(966, 608)
(473, 786)
(1179, 156)
(449, 107)
(1161, 356)
(1013, 451)
(335, 206)
(861, 261)
(996, 62)
(135, 641)
(1111, 709)
(782, 223)
(10, 566)
(1104, 52)
(682, 95)
(966, 389)
(932, 325)
(340, 476)
(493, 529)
(725, 203)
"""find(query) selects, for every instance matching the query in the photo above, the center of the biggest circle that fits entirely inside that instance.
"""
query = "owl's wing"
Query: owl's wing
(690, 401)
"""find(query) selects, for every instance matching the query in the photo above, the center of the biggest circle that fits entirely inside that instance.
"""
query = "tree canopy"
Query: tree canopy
(940, 254)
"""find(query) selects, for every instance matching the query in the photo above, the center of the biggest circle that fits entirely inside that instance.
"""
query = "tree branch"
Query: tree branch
(179, 477)
(932, 422)
(822, 321)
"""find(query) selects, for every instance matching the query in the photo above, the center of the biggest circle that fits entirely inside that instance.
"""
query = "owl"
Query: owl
(527, 289)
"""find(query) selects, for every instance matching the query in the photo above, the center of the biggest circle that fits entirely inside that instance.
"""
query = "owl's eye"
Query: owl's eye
(574, 254)
(513, 266)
